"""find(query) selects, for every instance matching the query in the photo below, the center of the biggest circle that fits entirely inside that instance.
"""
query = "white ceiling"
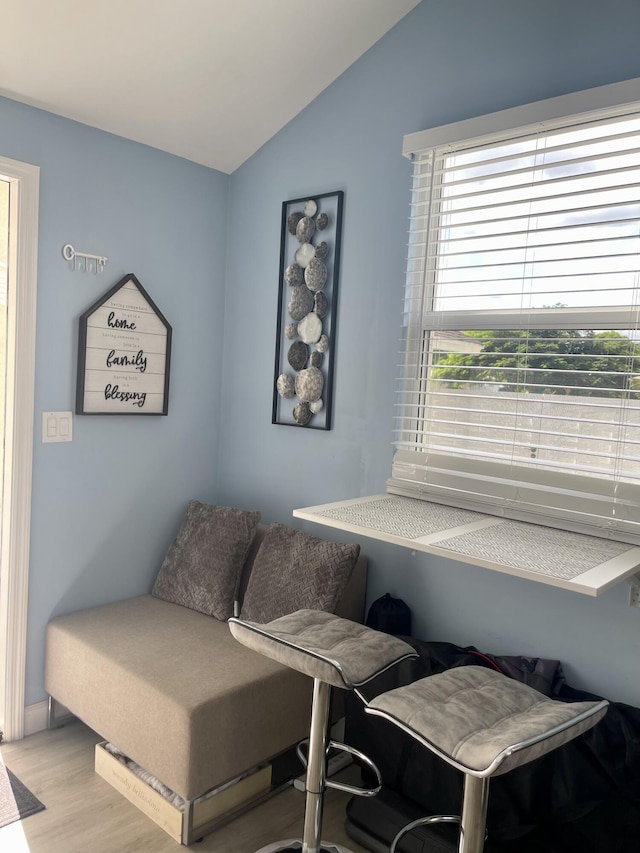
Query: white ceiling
(209, 80)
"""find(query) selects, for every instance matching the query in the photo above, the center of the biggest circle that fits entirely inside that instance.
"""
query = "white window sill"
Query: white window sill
(573, 561)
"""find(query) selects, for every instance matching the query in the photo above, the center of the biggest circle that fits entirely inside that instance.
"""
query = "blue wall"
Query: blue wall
(446, 61)
(206, 247)
(106, 505)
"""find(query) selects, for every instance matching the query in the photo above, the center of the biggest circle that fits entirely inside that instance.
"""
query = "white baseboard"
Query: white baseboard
(36, 718)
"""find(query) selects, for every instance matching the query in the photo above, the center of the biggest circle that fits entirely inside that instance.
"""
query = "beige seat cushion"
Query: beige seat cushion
(483, 722)
(324, 646)
(174, 691)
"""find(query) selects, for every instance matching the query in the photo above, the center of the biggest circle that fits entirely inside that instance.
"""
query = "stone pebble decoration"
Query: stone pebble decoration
(294, 275)
(310, 328)
(286, 385)
(307, 307)
(301, 303)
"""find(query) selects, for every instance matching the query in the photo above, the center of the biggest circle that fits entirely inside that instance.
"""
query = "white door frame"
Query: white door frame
(20, 386)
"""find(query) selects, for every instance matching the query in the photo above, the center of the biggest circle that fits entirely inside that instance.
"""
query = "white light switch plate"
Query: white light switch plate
(57, 426)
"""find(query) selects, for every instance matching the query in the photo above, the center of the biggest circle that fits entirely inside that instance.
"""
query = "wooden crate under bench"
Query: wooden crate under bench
(168, 816)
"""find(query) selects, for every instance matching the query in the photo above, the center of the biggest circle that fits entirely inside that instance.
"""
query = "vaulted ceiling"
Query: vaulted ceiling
(209, 80)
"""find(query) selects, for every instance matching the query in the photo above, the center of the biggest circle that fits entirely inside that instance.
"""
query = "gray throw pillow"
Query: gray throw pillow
(293, 570)
(202, 567)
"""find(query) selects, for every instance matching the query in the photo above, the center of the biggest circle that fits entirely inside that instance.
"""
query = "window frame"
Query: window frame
(612, 100)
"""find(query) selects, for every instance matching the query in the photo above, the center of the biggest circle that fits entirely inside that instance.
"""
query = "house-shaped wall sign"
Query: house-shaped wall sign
(124, 350)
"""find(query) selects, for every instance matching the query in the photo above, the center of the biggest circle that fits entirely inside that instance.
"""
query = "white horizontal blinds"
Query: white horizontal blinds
(540, 221)
(522, 350)
(418, 295)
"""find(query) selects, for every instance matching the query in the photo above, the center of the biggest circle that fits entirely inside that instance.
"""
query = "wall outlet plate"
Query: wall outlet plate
(57, 426)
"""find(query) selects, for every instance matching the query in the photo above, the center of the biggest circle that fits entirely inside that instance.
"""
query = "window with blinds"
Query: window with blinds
(519, 389)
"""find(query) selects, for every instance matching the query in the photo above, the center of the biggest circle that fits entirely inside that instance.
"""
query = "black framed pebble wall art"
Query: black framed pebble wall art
(124, 353)
(307, 301)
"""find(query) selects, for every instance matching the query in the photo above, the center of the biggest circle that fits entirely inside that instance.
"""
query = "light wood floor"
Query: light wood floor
(84, 814)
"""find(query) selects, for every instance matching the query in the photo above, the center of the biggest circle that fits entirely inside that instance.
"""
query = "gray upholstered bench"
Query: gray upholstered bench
(172, 689)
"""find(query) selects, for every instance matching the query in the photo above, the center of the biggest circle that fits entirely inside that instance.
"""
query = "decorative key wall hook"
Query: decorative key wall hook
(82, 261)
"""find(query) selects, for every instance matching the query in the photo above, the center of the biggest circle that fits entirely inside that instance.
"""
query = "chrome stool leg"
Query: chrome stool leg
(316, 767)
(315, 781)
(474, 814)
(472, 821)
(421, 821)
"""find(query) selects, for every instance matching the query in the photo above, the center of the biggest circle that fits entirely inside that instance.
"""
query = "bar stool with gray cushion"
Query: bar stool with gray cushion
(335, 652)
(484, 724)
